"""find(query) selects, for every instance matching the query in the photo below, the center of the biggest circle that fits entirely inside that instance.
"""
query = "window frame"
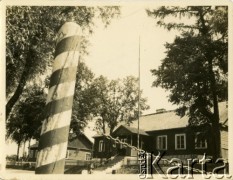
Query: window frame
(101, 147)
(176, 143)
(157, 144)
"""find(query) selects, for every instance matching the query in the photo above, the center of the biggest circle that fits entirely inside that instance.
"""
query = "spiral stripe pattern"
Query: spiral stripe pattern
(57, 114)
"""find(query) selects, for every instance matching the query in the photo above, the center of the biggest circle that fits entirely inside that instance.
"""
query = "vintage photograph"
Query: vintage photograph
(126, 89)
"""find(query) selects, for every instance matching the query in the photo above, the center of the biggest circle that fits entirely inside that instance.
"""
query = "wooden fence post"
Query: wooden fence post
(55, 129)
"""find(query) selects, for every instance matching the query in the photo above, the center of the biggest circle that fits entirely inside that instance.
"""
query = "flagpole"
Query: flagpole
(138, 143)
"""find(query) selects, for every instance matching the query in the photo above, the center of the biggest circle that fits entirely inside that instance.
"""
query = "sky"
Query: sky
(114, 53)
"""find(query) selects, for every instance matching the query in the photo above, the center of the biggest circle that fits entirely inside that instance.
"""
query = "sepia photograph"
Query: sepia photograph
(117, 89)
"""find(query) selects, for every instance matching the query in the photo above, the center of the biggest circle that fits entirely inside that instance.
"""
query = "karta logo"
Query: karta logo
(149, 165)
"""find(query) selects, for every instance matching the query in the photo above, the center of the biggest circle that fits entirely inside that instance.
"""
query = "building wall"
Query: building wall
(190, 142)
(112, 149)
(78, 148)
(78, 154)
(150, 144)
(107, 151)
(73, 154)
(224, 143)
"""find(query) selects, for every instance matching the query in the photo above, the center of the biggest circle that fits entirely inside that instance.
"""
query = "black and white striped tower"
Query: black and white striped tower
(55, 129)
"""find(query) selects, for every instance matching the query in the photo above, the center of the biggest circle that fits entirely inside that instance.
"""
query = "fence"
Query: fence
(77, 162)
(20, 164)
(31, 165)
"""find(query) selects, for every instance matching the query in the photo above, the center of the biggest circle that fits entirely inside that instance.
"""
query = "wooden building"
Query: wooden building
(79, 148)
(164, 131)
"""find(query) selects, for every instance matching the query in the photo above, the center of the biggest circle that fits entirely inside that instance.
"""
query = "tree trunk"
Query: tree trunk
(209, 56)
(217, 140)
(17, 159)
(216, 119)
(103, 127)
(22, 82)
(29, 142)
(24, 143)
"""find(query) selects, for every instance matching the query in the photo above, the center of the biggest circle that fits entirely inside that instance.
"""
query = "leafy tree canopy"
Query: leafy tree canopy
(111, 101)
(117, 101)
(26, 120)
(195, 68)
(27, 116)
(30, 40)
(84, 104)
(191, 61)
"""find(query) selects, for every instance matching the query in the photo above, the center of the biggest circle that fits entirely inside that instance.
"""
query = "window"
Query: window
(123, 140)
(162, 142)
(200, 140)
(180, 141)
(101, 146)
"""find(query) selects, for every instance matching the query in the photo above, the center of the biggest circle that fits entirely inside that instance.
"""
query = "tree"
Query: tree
(84, 98)
(117, 101)
(26, 118)
(195, 67)
(27, 115)
(31, 109)
(30, 40)
(25, 121)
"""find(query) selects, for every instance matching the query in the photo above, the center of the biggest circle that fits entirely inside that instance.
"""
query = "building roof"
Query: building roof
(78, 142)
(167, 120)
(170, 120)
(131, 130)
(107, 130)
(161, 121)
(89, 130)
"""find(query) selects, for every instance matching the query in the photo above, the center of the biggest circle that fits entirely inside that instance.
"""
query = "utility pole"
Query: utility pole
(57, 114)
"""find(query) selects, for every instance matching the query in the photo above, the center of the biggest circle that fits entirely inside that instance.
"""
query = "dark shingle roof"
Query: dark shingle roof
(169, 120)
(80, 142)
(157, 121)
(133, 130)
(160, 121)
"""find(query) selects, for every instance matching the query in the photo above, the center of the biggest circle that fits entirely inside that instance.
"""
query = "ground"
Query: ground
(19, 171)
